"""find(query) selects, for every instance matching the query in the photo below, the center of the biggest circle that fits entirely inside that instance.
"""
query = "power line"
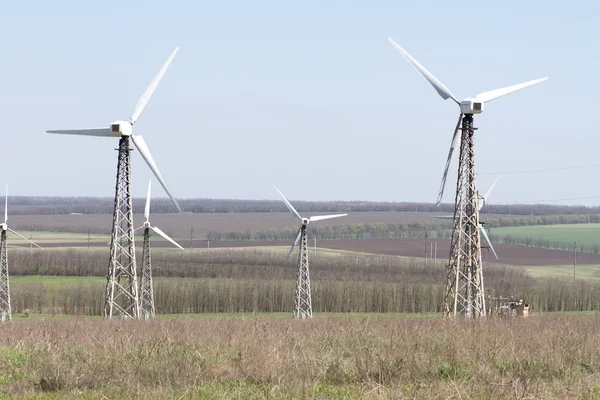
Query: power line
(527, 171)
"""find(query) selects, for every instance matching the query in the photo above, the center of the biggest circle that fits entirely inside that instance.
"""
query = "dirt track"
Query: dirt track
(508, 254)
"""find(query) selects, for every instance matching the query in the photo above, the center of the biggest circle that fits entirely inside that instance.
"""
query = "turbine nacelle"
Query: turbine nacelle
(4, 227)
(304, 221)
(122, 128)
(471, 106)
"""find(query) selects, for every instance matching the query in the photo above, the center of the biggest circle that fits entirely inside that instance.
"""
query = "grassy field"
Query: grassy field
(588, 234)
(253, 357)
(565, 271)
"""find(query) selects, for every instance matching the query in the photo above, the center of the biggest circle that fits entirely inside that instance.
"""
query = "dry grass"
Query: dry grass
(253, 357)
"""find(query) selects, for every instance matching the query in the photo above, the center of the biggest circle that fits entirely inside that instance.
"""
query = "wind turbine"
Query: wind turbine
(464, 285)
(146, 289)
(5, 308)
(302, 296)
(482, 231)
(121, 297)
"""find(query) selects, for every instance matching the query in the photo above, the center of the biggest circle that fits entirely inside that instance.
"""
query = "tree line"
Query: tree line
(227, 280)
(44, 205)
(421, 229)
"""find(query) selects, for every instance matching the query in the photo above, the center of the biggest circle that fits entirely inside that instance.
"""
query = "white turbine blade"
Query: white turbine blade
(287, 203)
(437, 85)
(295, 242)
(484, 234)
(139, 107)
(497, 93)
(487, 194)
(442, 216)
(101, 132)
(140, 144)
(147, 209)
(455, 143)
(322, 217)
(164, 235)
(24, 238)
(6, 204)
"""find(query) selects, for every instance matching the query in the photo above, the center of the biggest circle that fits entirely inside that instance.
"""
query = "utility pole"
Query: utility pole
(191, 238)
(574, 258)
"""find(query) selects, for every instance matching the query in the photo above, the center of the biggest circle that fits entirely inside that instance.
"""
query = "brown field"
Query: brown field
(508, 254)
(178, 225)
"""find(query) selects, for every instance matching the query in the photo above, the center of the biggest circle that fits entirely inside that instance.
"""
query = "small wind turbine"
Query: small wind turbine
(5, 308)
(121, 298)
(146, 288)
(464, 284)
(302, 296)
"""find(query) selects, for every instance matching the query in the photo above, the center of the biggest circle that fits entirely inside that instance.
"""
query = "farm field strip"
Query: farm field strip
(588, 234)
(582, 271)
(178, 225)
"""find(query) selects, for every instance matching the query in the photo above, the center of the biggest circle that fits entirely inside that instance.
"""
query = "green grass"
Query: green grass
(585, 234)
(583, 271)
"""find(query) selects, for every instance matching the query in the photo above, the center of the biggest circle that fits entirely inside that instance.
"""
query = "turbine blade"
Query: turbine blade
(147, 209)
(322, 217)
(455, 142)
(485, 237)
(287, 203)
(140, 144)
(487, 194)
(497, 93)
(294, 243)
(6, 204)
(139, 107)
(24, 238)
(437, 85)
(164, 235)
(442, 216)
(103, 132)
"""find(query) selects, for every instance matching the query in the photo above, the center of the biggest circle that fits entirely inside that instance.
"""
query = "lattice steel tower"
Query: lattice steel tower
(464, 286)
(5, 307)
(121, 296)
(302, 295)
(147, 309)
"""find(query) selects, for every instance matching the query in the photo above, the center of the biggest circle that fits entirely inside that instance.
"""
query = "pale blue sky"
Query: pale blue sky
(309, 96)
